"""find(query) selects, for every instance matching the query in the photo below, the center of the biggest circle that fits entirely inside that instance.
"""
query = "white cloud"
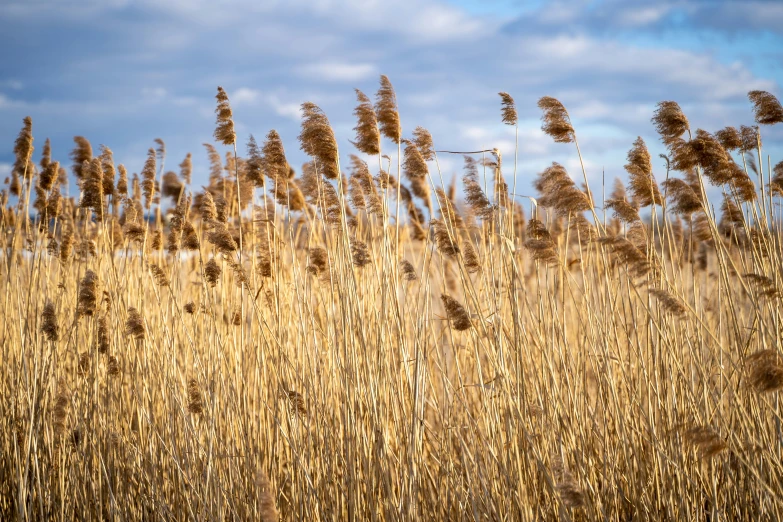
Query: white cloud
(339, 71)
(153, 93)
(5, 170)
(244, 96)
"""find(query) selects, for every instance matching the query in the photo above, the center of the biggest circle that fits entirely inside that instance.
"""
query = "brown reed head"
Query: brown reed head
(134, 324)
(159, 275)
(423, 140)
(643, 188)
(414, 166)
(81, 153)
(23, 150)
(49, 325)
(765, 371)
(729, 138)
(670, 122)
(407, 271)
(685, 199)
(148, 178)
(558, 191)
(705, 440)
(49, 175)
(508, 109)
(224, 126)
(668, 302)
(212, 272)
(62, 404)
(456, 313)
(274, 160)
(360, 254)
(766, 107)
(317, 140)
(555, 120)
(195, 399)
(109, 171)
(477, 201)
(750, 137)
(386, 111)
(88, 294)
(46, 153)
(368, 136)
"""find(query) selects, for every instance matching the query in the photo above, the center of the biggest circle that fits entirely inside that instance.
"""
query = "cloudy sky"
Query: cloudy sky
(124, 72)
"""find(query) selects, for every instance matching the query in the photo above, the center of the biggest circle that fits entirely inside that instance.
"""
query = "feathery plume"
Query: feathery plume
(766, 107)
(423, 140)
(186, 168)
(195, 401)
(148, 178)
(113, 366)
(386, 111)
(88, 294)
(212, 272)
(49, 175)
(224, 130)
(764, 286)
(670, 122)
(730, 138)
(470, 256)
(360, 254)
(555, 120)
(267, 510)
(446, 245)
(456, 313)
(66, 248)
(46, 154)
(171, 186)
(750, 138)
(62, 404)
(122, 182)
(765, 371)
(91, 185)
(361, 173)
(49, 325)
(23, 150)
(705, 440)
(669, 303)
(407, 271)
(643, 187)
(81, 153)
(477, 201)
(559, 191)
(318, 141)
(413, 164)
(190, 239)
(255, 163)
(448, 213)
(134, 325)
(368, 137)
(617, 202)
(628, 254)
(318, 261)
(107, 164)
(159, 275)
(685, 200)
(275, 163)
(540, 242)
(103, 337)
(508, 109)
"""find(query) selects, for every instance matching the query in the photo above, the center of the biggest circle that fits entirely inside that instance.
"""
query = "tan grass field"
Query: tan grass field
(372, 340)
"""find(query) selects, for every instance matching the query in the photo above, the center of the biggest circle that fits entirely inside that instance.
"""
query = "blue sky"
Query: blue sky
(124, 72)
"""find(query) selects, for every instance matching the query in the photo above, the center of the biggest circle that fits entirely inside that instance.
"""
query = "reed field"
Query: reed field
(368, 337)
